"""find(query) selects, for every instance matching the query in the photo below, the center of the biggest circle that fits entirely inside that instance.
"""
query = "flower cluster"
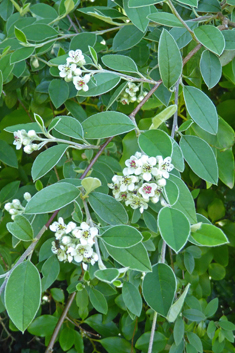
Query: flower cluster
(21, 137)
(15, 207)
(129, 94)
(142, 181)
(73, 242)
(71, 72)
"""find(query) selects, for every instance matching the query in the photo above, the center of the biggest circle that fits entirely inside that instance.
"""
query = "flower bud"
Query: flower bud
(8, 206)
(32, 134)
(27, 196)
(13, 211)
(161, 182)
(28, 149)
(16, 203)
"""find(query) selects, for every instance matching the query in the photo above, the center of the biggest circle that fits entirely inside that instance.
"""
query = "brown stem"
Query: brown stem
(72, 24)
(191, 53)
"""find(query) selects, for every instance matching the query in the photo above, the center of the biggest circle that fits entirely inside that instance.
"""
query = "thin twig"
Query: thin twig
(72, 24)
(191, 53)
(152, 332)
(175, 118)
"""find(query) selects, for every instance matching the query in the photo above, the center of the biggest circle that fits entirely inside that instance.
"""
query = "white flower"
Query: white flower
(93, 259)
(137, 202)
(161, 182)
(81, 82)
(128, 183)
(68, 71)
(132, 88)
(76, 57)
(61, 255)
(54, 248)
(124, 101)
(147, 190)
(146, 167)
(157, 195)
(66, 240)
(29, 148)
(27, 196)
(85, 233)
(132, 164)
(18, 140)
(164, 166)
(141, 96)
(59, 228)
(80, 252)
(71, 226)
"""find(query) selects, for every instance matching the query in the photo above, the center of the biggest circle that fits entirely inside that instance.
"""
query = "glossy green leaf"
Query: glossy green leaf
(195, 341)
(21, 228)
(211, 68)
(52, 198)
(171, 192)
(58, 92)
(119, 63)
(178, 331)
(107, 275)
(169, 59)
(138, 16)
(126, 38)
(185, 202)
(225, 160)
(67, 338)
(194, 315)
(165, 19)
(155, 143)
(70, 127)
(211, 38)
(209, 235)
(132, 298)
(159, 342)
(177, 157)
(211, 307)
(104, 82)
(50, 271)
(21, 54)
(174, 228)
(116, 345)
(201, 109)
(122, 236)
(20, 35)
(106, 124)
(136, 257)
(176, 308)
(159, 288)
(9, 191)
(23, 288)
(43, 325)
(98, 301)
(46, 160)
(82, 41)
(108, 208)
(200, 157)
(8, 155)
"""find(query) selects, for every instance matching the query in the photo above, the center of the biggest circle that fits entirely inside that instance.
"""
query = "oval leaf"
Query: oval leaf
(23, 294)
(98, 301)
(211, 68)
(104, 82)
(120, 63)
(211, 38)
(126, 38)
(159, 288)
(52, 198)
(174, 228)
(200, 157)
(175, 309)
(132, 298)
(58, 92)
(209, 235)
(20, 228)
(108, 275)
(122, 236)
(106, 124)
(70, 127)
(163, 116)
(155, 143)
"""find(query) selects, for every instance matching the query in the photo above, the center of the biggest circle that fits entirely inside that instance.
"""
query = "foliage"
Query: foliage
(117, 175)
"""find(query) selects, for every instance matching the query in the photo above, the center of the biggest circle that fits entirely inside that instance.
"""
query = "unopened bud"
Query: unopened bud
(35, 63)
(27, 196)
(16, 203)
(28, 149)
(32, 134)
(8, 206)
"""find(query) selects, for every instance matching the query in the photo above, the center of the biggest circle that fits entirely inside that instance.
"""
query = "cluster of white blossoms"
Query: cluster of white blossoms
(74, 242)
(21, 137)
(71, 70)
(142, 181)
(129, 94)
(15, 207)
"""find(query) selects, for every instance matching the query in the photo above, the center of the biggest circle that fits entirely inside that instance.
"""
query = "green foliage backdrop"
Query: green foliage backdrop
(117, 226)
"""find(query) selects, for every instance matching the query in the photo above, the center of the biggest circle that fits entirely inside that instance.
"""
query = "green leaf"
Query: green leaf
(132, 298)
(201, 109)
(211, 307)
(192, 3)
(50, 271)
(116, 345)
(21, 54)
(58, 92)
(141, 3)
(229, 39)
(209, 6)
(177, 157)
(174, 228)
(171, 192)
(195, 341)
(52, 198)
(23, 294)
(104, 82)
(46, 160)
(185, 202)
(44, 11)
(106, 124)
(200, 157)
(178, 331)
(20, 228)
(70, 127)
(20, 35)
(211, 38)
(138, 16)
(209, 235)
(98, 301)
(1, 82)
(159, 342)
(93, 54)
(159, 288)
(43, 325)
(107, 208)
(67, 336)
(90, 184)
(165, 19)
(155, 143)
(211, 68)
(194, 315)
(127, 37)
(9, 191)
(176, 308)
(169, 59)
(225, 160)
(136, 257)
(119, 63)
(122, 236)
(8, 155)
(108, 275)
(82, 41)
(39, 32)
(226, 325)
(164, 115)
